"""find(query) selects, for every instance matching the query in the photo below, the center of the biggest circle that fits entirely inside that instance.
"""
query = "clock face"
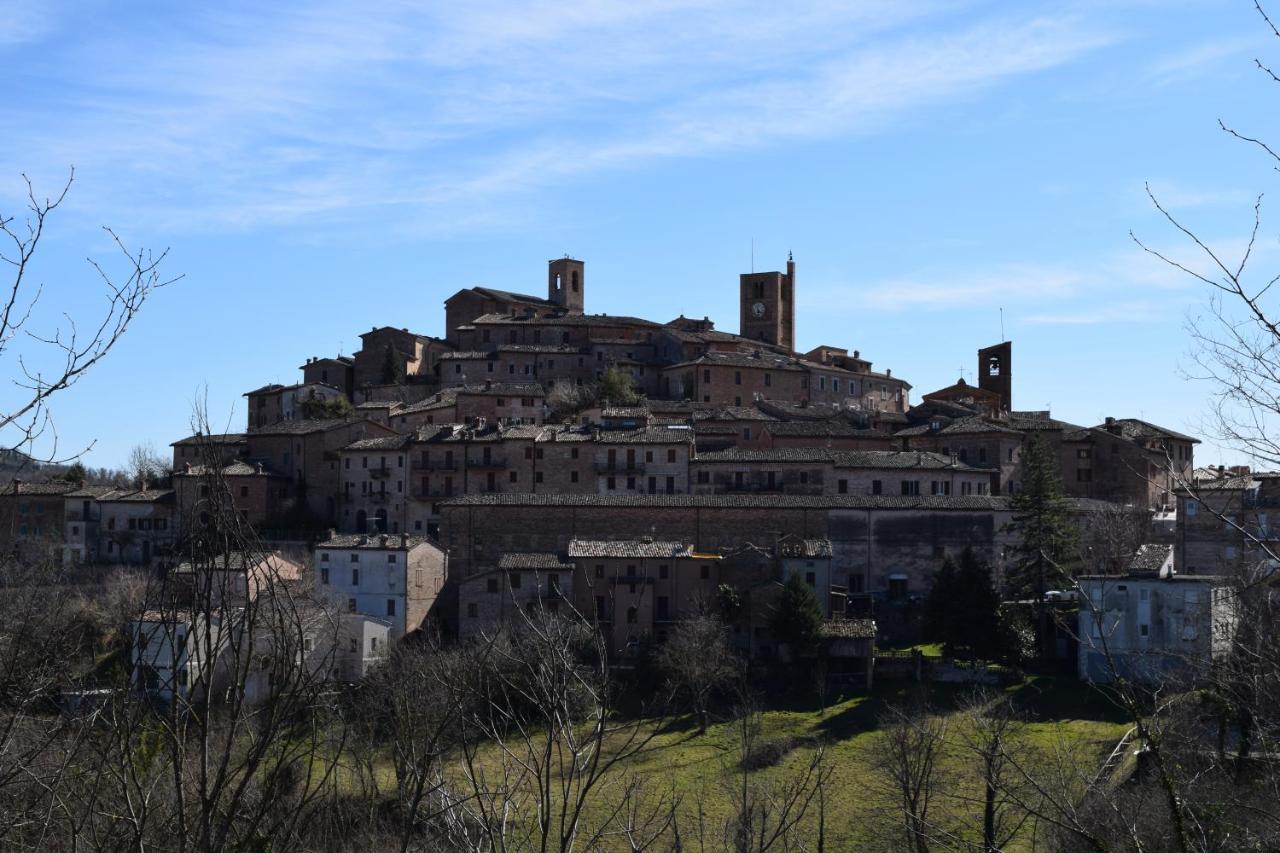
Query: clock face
(757, 310)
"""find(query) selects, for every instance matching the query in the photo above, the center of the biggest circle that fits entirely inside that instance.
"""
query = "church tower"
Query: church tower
(995, 372)
(567, 284)
(768, 306)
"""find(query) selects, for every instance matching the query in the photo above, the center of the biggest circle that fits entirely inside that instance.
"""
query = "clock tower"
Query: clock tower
(767, 306)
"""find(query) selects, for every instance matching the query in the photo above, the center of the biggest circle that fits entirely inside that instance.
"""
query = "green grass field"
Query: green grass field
(702, 771)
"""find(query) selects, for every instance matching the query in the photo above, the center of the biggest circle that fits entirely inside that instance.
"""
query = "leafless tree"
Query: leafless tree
(145, 466)
(697, 660)
(773, 814)
(541, 742)
(50, 352)
(908, 755)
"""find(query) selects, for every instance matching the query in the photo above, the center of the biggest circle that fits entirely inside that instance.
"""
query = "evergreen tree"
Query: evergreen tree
(941, 605)
(963, 610)
(392, 367)
(75, 474)
(797, 619)
(1046, 540)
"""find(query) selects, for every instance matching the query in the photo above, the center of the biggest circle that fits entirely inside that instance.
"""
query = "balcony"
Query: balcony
(620, 466)
(380, 472)
(491, 462)
(377, 497)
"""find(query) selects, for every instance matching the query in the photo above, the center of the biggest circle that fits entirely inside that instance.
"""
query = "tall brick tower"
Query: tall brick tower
(768, 307)
(567, 284)
(995, 372)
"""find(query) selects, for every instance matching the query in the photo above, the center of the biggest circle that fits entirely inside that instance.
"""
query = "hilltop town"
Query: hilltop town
(625, 466)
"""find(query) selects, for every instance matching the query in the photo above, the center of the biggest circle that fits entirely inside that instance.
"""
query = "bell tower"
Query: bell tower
(567, 284)
(767, 306)
(995, 372)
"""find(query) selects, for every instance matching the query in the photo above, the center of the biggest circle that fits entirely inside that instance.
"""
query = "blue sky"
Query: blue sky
(323, 168)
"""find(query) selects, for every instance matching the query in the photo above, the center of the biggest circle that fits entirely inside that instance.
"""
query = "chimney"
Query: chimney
(363, 540)
(888, 372)
(186, 467)
(333, 532)
(258, 468)
(382, 540)
(404, 540)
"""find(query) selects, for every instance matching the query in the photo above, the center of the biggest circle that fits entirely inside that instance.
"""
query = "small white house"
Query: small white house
(389, 576)
(1153, 628)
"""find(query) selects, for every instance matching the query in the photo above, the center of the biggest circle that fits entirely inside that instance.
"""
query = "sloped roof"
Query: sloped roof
(534, 561)
(629, 548)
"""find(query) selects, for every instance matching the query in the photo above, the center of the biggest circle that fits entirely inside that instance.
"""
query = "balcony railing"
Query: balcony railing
(491, 462)
(377, 497)
(381, 471)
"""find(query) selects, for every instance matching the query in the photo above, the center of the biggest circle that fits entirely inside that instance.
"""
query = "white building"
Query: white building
(396, 577)
(1154, 627)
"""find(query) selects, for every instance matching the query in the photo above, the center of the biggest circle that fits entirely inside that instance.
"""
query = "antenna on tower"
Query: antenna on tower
(1001, 323)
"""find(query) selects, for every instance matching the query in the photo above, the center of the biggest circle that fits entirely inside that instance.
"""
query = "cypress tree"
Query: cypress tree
(1046, 540)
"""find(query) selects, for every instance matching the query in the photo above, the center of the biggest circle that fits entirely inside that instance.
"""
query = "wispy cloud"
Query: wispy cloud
(1192, 61)
(1122, 312)
(430, 116)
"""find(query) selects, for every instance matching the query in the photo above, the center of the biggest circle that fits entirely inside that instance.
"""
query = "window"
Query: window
(244, 491)
(897, 586)
(1191, 508)
(355, 577)
(768, 380)
(573, 476)
(662, 606)
(671, 455)
(351, 607)
(877, 487)
(355, 558)
(391, 558)
(1084, 475)
(631, 616)
(842, 486)
(324, 557)
(705, 572)
(663, 572)
(324, 575)
(737, 377)
(391, 607)
(471, 611)
(911, 487)
(513, 578)
(746, 433)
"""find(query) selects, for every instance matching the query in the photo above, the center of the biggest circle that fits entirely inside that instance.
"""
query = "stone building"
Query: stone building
(306, 452)
(337, 372)
(888, 545)
(260, 496)
(1228, 524)
(210, 449)
(835, 472)
(274, 403)
(137, 526)
(31, 519)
